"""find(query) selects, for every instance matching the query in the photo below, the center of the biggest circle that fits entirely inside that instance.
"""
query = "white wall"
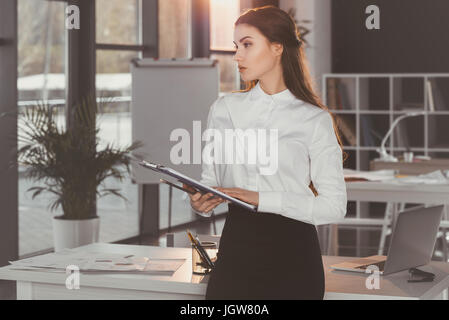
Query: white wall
(319, 50)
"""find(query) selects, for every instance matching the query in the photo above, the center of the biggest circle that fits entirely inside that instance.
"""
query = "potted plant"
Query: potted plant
(71, 166)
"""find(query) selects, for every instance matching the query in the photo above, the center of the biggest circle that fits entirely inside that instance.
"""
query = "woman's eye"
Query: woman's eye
(246, 44)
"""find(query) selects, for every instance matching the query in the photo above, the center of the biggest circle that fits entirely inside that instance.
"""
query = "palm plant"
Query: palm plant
(69, 162)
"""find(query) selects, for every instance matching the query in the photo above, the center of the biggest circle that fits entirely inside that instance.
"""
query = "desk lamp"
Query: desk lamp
(383, 154)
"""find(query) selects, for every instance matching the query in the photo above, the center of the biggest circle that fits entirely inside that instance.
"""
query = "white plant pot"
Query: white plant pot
(75, 233)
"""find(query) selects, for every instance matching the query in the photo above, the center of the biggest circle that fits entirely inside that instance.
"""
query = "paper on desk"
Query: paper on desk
(62, 259)
(139, 265)
(98, 262)
(434, 177)
(377, 175)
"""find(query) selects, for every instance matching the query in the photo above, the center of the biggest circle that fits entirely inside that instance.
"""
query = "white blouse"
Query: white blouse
(307, 151)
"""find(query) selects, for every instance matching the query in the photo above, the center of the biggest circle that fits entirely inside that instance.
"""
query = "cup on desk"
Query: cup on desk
(198, 265)
(408, 156)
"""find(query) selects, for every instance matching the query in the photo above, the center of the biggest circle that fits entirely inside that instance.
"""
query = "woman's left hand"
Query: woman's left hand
(251, 197)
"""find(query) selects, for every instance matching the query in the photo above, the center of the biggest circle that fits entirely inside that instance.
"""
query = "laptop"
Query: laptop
(411, 245)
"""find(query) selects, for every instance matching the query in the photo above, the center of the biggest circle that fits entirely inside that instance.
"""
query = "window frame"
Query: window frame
(9, 228)
(76, 44)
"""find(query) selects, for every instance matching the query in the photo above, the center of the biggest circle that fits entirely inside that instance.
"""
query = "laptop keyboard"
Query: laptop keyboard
(380, 265)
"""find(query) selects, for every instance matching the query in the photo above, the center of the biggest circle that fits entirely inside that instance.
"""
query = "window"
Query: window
(120, 37)
(223, 14)
(119, 40)
(41, 77)
(118, 21)
(174, 29)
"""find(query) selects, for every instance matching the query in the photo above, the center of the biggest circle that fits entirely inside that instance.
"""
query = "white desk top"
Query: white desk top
(382, 185)
(339, 284)
(377, 191)
(351, 285)
(182, 281)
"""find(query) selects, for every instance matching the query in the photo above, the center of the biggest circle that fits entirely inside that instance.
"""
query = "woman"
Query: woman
(274, 253)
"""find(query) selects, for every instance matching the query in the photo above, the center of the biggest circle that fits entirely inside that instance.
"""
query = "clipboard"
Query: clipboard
(191, 182)
(178, 187)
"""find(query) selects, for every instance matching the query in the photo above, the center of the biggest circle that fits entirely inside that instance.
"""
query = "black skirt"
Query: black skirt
(266, 256)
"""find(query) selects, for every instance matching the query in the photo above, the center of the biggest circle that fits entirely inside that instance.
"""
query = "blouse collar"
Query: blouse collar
(283, 97)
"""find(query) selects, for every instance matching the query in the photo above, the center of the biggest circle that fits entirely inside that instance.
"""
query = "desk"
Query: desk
(351, 285)
(182, 285)
(411, 168)
(374, 191)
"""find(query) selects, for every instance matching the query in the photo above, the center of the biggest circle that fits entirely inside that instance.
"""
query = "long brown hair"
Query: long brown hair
(279, 27)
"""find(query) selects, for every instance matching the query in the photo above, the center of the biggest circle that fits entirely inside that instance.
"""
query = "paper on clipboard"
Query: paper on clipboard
(192, 182)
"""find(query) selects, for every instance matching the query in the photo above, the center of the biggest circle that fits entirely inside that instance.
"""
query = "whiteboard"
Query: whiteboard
(170, 94)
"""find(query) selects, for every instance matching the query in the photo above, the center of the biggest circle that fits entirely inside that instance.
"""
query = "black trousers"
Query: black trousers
(266, 256)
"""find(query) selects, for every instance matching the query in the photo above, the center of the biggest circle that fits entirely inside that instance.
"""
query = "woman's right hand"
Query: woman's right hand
(203, 202)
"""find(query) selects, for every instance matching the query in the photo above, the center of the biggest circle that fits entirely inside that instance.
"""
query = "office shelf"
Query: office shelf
(365, 106)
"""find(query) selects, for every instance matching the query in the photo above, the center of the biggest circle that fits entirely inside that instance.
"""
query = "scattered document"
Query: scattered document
(434, 177)
(377, 175)
(97, 262)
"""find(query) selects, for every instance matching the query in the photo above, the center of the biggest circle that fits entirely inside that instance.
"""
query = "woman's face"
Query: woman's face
(254, 52)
